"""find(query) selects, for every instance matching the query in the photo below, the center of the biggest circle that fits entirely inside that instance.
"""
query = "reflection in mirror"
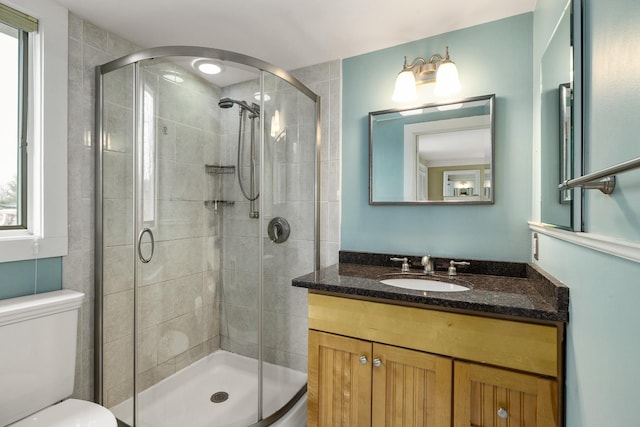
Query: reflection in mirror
(556, 135)
(433, 154)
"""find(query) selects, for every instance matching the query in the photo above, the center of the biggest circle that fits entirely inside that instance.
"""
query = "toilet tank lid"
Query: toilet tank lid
(32, 306)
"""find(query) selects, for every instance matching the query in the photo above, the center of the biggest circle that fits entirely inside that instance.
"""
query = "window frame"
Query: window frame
(46, 200)
(22, 129)
(23, 114)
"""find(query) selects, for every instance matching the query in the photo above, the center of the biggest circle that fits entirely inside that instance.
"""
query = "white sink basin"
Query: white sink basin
(424, 285)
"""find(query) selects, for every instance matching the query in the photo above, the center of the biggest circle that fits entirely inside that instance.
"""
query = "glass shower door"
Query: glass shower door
(115, 237)
(177, 251)
(288, 239)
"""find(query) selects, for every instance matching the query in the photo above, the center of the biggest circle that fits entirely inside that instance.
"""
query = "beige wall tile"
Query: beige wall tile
(118, 315)
(118, 268)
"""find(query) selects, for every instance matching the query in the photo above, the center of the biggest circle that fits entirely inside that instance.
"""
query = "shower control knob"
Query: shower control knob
(377, 362)
(363, 360)
(278, 230)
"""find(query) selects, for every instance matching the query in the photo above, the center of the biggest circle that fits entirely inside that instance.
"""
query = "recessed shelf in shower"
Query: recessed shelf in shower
(220, 169)
(215, 203)
(215, 186)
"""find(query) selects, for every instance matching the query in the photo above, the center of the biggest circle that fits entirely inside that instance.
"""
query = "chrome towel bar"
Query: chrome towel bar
(603, 180)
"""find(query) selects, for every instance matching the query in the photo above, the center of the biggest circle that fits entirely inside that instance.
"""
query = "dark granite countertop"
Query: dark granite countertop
(532, 295)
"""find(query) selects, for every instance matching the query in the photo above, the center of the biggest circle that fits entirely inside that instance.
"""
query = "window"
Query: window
(14, 85)
(38, 196)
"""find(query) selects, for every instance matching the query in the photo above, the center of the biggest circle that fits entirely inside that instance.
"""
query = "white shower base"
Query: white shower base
(183, 399)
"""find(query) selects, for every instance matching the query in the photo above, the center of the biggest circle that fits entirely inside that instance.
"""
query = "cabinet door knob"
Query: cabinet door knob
(363, 360)
(377, 362)
(502, 413)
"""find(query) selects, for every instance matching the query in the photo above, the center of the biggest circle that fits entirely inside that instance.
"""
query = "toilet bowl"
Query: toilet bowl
(37, 364)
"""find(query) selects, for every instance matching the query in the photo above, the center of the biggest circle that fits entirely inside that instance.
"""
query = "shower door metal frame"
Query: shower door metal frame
(201, 52)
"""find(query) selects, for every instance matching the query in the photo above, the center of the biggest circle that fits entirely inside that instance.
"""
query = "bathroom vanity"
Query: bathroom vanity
(382, 355)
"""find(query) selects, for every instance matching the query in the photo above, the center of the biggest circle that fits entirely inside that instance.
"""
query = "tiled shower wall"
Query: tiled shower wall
(90, 46)
(326, 80)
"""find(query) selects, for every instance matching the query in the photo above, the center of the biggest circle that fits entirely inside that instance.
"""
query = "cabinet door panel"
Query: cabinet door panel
(410, 388)
(339, 388)
(480, 392)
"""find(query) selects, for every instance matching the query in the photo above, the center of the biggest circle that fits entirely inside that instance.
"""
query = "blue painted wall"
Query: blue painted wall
(388, 160)
(603, 346)
(488, 62)
(612, 83)
(22, 278)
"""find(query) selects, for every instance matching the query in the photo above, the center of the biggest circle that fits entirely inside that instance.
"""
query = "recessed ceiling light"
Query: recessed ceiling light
(207, 66)
(265, 96)
(172, 76)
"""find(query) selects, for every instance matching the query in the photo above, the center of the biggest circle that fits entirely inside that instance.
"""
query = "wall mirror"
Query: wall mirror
(559, 141)
(433, 154)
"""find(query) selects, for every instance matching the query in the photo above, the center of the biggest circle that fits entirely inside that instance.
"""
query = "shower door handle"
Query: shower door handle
(153, 245)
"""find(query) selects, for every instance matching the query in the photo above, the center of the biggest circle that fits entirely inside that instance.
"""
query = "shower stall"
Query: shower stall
(206, 208)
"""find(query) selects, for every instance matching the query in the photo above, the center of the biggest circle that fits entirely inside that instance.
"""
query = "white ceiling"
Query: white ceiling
(455, 148)
(290, 33)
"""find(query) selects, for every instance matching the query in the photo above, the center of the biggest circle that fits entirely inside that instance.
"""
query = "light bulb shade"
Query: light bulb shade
(447, 81)
(405, 89)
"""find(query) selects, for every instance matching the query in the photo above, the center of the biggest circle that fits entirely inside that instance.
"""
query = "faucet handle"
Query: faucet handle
(452, 267)
(427, 263)
(405, 263)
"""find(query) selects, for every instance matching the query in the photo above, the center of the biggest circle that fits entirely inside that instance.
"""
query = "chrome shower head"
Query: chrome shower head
(228, 103)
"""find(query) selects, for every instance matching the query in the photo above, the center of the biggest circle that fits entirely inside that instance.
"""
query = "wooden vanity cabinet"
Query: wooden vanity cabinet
(350, 385)
(410, 388)
(484, 396)
(339, 384)
(377, 364)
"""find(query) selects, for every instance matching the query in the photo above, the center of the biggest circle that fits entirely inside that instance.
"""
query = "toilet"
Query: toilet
(38, 335)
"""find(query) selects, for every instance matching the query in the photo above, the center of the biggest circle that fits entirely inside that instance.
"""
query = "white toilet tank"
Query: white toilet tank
(37, 351)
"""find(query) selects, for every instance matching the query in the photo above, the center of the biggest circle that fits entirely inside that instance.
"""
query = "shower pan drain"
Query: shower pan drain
(219, 397)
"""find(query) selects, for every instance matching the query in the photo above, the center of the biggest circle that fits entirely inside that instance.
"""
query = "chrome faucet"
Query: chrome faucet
(452, 266)
(405, 263)
(427, 263)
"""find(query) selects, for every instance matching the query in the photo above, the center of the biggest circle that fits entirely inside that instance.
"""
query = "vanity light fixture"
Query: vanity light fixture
(438, 69)
(207, 66)
(449, 107)
(275, 124)
(413, 112)
(278, 131)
